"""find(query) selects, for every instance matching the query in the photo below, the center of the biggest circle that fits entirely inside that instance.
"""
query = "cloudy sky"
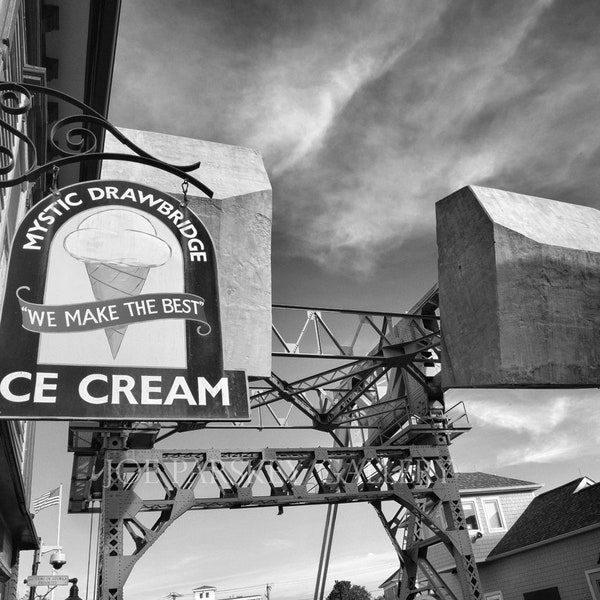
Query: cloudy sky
(366, 113)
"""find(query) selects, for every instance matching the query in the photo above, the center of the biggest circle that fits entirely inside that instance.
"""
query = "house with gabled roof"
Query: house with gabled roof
(208, 592)
(544, 547)
(552, 552)
(492, 504)
(205, 592)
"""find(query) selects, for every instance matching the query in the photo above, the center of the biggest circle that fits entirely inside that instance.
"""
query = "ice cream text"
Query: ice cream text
(114, 389)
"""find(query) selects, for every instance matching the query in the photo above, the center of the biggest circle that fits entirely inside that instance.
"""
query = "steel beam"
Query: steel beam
(420, 523)
(414, 476)
(402, 460)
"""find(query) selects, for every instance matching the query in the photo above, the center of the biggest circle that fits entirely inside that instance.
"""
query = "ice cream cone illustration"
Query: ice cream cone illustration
(118, 248)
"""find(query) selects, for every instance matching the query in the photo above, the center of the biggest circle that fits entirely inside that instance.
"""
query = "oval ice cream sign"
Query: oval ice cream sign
(111, 311)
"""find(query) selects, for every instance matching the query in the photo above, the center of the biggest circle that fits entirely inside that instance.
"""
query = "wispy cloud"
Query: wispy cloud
(410, 136)
(532, 426)
(303, 91)
(519, 412)
(278, 543)
(367, 116)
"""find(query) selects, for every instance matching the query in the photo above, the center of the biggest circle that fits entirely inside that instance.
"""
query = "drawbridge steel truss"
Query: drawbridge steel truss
(417, 479)
(379, 401)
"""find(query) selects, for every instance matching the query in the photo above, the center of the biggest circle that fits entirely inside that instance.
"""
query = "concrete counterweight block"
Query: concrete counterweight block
(519, 290)
(238, 218)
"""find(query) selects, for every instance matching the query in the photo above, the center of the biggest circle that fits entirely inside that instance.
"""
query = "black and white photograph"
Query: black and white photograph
(299, 300)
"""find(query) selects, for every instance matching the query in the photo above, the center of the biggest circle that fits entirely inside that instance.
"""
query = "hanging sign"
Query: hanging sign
(46, 580)
(111, 311)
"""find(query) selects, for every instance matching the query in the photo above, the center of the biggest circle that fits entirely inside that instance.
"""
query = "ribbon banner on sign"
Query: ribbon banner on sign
(89, 316)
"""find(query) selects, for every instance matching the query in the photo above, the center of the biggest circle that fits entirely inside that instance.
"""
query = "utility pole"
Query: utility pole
(34, 569)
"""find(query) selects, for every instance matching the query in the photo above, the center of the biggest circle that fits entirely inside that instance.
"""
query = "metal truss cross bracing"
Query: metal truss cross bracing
(378, 373)
(381, 373)
(418, 479)
(419, 525)
(379, 400)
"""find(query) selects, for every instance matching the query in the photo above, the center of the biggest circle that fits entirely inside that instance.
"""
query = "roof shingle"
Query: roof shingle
(551, 514)
(479, 481)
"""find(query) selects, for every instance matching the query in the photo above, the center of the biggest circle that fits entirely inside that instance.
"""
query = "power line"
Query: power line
(262, 585)
(246, 587)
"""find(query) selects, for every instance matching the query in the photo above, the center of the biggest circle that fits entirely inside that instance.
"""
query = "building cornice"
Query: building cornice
(101, 50)
(14, 505)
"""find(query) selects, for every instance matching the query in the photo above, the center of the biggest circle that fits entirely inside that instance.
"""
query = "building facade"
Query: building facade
(209, 592)
(20, 60)
(491, 505)
(544, 547)
(205, 592)
(17, 531)
(70, 47)
(553, 550)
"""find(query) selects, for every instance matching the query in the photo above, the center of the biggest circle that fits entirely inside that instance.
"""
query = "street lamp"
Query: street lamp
(74, 591)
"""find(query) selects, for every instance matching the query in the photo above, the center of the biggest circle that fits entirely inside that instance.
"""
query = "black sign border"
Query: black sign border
(19, 347)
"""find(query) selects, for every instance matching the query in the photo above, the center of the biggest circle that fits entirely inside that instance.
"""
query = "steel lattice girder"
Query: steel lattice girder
(419, 478)
(281, 476)
(402, 345)
(374, 351)
(349, 396)
(415, 527)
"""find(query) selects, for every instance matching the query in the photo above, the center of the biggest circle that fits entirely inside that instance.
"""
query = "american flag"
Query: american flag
(45, 500)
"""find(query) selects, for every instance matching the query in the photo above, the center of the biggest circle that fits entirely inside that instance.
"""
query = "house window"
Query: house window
(493, 514)
(470, 514)
(493, 596)
(593, 579)
(547, 594)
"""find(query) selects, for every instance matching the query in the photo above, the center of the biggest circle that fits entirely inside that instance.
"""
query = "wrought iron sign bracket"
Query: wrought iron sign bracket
(72, 138)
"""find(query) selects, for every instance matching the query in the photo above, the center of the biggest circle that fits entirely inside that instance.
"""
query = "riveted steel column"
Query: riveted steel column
(461, 550)
(110, 540)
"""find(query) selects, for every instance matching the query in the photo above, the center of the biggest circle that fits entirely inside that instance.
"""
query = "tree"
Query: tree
(344, 590)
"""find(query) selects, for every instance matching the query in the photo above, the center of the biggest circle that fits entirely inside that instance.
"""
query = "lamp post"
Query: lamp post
(74, 591)
(39, 552)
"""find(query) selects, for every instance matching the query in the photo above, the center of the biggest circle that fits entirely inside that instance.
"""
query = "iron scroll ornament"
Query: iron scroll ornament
(80, 142)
